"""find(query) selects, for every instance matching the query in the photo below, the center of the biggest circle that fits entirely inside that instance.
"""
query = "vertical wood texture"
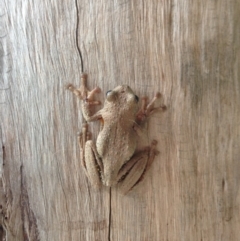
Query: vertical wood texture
(188, 50)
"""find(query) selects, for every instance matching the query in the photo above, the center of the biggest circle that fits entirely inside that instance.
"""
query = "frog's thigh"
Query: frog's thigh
(92, 164)
(135, 168)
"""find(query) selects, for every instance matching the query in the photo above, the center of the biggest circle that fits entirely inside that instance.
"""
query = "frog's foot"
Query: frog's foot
(91, 161)
(134, 170)
(148, 108)
(83, 92)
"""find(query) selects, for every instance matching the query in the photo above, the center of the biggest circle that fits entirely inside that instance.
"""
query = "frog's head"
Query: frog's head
(124, 96)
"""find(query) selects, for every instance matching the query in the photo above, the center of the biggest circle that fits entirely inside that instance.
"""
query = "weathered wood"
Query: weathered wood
(188, 50)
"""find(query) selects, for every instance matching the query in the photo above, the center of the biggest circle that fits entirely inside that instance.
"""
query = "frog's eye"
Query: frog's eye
(111, 95)
(136, 98)
(108, 92)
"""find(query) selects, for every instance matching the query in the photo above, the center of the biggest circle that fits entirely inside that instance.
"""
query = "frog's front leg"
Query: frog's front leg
(148, 109)
(87, 98)
(133, 171)
(91, 161)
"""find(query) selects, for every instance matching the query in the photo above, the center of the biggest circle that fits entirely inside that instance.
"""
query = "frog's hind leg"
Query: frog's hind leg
(91, 162)
(133, 171)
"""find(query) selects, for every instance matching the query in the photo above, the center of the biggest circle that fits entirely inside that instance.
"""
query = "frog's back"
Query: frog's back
(115, 145)
(116, 142)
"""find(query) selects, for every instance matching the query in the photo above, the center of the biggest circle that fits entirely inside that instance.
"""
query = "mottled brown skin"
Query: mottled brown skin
(116, 143)
(114, 159)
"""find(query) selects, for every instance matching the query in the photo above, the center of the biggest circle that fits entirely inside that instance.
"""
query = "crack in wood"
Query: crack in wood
(30, 228)
(110, 214)
(77, 27)
(2, 233)
(4, 202)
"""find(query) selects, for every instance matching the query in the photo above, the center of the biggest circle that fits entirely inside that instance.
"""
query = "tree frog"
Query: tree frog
(113, 159)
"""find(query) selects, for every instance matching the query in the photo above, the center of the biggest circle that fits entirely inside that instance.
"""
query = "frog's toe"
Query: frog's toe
(154, 142)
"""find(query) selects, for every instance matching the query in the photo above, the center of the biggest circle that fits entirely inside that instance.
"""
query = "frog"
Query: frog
(114, 158)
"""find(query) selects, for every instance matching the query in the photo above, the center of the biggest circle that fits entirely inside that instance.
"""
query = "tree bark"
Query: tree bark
(187, 50)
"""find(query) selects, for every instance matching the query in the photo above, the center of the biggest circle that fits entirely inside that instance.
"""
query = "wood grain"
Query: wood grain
(187, 50)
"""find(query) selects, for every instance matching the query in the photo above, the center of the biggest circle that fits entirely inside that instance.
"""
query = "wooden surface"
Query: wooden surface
(188, 50)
